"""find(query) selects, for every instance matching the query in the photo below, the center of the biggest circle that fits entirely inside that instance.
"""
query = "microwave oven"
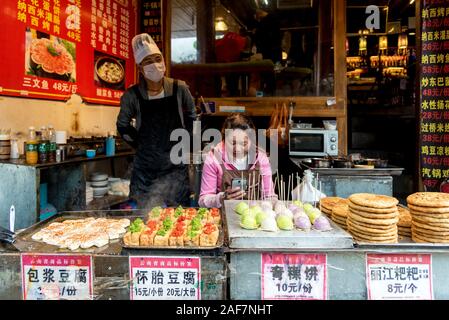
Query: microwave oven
(313, 142)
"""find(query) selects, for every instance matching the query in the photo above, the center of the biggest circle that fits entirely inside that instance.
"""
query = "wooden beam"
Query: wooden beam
(340, 79)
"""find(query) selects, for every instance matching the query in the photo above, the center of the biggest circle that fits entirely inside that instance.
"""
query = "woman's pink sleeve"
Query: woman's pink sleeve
(209, 195)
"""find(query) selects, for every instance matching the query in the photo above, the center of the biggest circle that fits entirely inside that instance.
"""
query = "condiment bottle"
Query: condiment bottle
(44, 146)
(52, 144)
(110, 144)
(31, 151)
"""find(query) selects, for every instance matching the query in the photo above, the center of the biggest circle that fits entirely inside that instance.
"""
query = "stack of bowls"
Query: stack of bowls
(89, 193)
(100, 184)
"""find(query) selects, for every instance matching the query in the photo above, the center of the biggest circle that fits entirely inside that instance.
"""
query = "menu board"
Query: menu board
(56, 48)
(434, 131)
(151, 20)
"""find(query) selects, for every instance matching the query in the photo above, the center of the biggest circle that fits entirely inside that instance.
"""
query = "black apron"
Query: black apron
(155, 180)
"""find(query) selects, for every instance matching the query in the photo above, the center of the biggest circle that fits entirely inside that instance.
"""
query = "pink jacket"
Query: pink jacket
(213, 175)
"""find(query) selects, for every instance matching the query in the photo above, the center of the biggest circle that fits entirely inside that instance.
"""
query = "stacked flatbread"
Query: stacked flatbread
(373, 218)
(430, 217)
(405, 222)
(82, 233)
(340, 214)
(328, 203)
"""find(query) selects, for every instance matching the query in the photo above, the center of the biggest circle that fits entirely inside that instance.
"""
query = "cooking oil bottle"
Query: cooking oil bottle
(31, 153)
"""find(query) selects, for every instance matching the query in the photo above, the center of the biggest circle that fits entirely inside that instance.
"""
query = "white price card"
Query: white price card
(399, 276)
(56, 277)
(165, 278)
(294, 276)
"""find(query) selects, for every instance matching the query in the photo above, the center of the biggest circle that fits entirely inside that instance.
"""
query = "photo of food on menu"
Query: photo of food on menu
(47, 56)
(109, 71)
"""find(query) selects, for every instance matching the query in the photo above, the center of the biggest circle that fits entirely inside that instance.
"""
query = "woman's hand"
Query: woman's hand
(234, 194)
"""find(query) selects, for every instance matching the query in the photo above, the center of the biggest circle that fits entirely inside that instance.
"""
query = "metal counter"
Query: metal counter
(240, 238)
(110, 262)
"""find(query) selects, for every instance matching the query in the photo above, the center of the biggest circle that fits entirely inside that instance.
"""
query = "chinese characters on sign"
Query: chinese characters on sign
(399, 276)
(48, 277)
(62, 47)
(434, 147)
(151, 20)
(169, 278)
(294, 276)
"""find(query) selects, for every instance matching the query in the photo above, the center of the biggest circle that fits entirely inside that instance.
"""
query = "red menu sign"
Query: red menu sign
(151, 20)
(56, 48)
(434, 147)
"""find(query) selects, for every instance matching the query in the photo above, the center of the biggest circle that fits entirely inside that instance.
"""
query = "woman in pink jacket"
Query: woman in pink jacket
(236, 157)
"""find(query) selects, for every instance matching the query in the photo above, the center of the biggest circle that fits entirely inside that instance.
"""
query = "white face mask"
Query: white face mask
(155, 71)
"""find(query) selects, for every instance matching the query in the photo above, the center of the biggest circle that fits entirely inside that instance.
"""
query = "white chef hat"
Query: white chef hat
(143, 46)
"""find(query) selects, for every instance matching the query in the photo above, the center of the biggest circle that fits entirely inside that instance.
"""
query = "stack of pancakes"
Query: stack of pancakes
(405, 222)
(340, 214)
(373, 218)
(327, 204)
(430, 216)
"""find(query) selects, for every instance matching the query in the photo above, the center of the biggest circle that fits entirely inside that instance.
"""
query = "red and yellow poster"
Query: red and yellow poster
(56, 48)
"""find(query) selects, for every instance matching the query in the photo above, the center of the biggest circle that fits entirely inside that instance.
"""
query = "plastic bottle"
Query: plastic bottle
(110, 144)
(52, 144)
(44, 146)
(31, 151)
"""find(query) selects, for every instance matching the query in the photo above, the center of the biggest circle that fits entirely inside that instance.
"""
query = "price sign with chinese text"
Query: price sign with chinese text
(294, 276)
(399, 276)
(434, 130)
(50, 277)
(57, 48)
(165, 278)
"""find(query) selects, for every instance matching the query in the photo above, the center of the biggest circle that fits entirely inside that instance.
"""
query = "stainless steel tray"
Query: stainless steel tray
(219, 244)
(240, 238)
(24, 243)
(389, 171)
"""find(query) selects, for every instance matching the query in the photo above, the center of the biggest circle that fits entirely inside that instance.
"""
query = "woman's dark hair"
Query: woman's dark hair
(237, 121)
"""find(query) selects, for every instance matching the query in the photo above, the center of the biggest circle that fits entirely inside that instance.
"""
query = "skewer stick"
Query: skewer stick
(259, 189)
(320, 195)
(243, 190)
(288, 189)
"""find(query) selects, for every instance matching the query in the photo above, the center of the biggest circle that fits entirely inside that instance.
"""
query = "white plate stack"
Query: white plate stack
(100, 184)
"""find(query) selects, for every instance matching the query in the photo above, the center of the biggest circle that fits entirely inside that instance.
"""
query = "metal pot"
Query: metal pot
(321, 163)
(341, 163)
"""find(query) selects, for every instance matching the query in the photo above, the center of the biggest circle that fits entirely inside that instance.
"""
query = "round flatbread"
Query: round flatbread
(382, 222)
(373, 200)
(405, 217)
(434, 234)
(431, 224)
(427, 210)
(386, 240)
(372, 237)
(339, 220)
(429, 199)
(343, 226)
(326, 211)
(367, 225)
(371, 210)
(341, 210)
(426, 226)
(438, 216)
(404, 229)
(330, 202)
(373, 231)
(421, 239)
(369, 215)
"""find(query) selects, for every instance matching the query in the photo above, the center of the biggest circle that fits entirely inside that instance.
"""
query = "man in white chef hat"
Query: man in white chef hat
(159, 105)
